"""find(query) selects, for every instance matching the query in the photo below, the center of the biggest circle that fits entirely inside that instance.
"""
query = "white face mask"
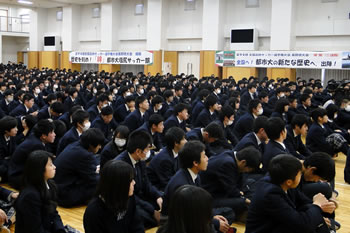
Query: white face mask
(115, 91)
(128, 93)
(120, 142)
(261, 111)
(282, 95)
(347, 108)
(160, 107)
(86, 126)
(55, 86)
(137, 83)
(95, 91)
(147, 156)
(37, 91)
(229, 122)
(142, 91)
(218, 91)
(10, 98)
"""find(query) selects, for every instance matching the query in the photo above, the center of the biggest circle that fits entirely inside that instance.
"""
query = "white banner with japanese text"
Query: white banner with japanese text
(293, 59)
(112, 57)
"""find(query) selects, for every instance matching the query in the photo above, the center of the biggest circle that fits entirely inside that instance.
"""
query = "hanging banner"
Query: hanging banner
(293, 59)
(225, 58)
(114, 57)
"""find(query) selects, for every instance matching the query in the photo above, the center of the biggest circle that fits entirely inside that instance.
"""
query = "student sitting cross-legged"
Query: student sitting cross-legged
(113, 208)
(165, 164)
(278, 206)
(77, 169)
(193, 160)
(223, 178)
(148, 198)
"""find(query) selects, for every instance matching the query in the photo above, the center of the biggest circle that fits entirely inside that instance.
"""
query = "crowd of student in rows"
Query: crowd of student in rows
(125, 144)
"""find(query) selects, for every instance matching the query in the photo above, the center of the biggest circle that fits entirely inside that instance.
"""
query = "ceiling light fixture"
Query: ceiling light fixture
(25, 2)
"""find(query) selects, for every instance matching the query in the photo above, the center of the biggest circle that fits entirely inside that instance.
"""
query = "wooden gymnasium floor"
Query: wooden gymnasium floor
(74, 216)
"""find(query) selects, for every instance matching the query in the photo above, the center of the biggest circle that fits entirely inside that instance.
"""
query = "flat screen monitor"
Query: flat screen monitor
(49, 41)
(242, 36)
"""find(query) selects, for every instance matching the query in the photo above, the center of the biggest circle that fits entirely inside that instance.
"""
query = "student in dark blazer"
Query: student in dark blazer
(280, 93)
(247, 96)
(25, 108)
(43, 133)
(316, 137)
(257, 138)
(168, 99)
(123, 110)
(305, 104)
(67, 116)
(148, 198)
(136, 118)
(225, 120)
(264, 99)
(277, 133)
(155, 127)
(198, 105)
(54, 111)
(212, 136)
(165, 164)
(7, 103)
(278, 207)
(105, 123)
(80, 123)
(113, 208)
(77, 169)
(178, 119)
(293, 141)
(292, 110)
(281, 109)
(95, 110)
(223, 177)
(192, 160)
(208, 114)
(343, 119)
(8, 131)
(116, 146)
(36, 205)
(156, 105)
(245, 123)
(72, 99)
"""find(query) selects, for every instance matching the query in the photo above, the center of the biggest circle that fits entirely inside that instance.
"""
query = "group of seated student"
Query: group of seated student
(144, 151)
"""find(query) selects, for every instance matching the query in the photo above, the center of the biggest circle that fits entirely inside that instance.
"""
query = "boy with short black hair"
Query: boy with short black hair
(277, 133)
(278, 206)
(165, 164)
(297, 128)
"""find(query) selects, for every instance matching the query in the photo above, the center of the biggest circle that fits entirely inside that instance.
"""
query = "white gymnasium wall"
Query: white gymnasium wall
(54, 27)
(322, 26)
(132, 27)
(90, 28)
(9, 49)
(184, 28)
(238, 16)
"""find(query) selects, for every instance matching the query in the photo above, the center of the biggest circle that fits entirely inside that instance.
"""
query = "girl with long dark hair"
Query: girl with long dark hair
(189, 211)
(36, 205)
(114, 209)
